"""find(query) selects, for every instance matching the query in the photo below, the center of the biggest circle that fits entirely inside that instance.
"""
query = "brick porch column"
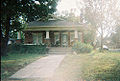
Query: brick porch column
(18, 37)
(76, 36)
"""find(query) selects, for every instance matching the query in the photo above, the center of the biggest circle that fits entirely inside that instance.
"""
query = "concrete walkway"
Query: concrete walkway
(42, 68)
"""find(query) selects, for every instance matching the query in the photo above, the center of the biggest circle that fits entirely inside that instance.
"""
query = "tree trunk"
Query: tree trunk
(4, 40)
(94, 42)
(101, 47)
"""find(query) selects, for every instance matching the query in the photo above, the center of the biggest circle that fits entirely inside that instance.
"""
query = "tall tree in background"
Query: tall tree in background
(29, 10)
(101, 14)
(115, 38)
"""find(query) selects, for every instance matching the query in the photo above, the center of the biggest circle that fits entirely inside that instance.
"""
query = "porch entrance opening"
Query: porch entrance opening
(61, 39)
(57, 39)
(64, 40)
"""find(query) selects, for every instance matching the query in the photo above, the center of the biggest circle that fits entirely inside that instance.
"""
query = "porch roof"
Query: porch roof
(54, 25)
(51, 23)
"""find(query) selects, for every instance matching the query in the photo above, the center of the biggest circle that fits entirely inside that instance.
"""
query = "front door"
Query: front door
(64, 39)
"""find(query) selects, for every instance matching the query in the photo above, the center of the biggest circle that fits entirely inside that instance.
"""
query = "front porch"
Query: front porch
(53, 38)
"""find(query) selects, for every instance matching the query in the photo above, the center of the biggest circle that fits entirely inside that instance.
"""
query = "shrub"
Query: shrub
(79, 47)
(20, 48)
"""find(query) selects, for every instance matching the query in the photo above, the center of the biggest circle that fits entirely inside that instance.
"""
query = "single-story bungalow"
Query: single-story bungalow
(54, 32)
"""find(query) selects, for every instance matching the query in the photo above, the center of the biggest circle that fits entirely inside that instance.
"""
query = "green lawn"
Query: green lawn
(94, 66)
(13, 62)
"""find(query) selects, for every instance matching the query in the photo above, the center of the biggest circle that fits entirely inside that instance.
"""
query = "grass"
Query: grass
(94, 66)
(13, 62)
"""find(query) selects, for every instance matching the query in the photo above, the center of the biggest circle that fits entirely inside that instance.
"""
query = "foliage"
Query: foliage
(19, 48)
(89, 37)
(13, 62)
(13, 33)
(102, 66)
(15, 12)
(79, 47)
(115, 38)
(101, 15)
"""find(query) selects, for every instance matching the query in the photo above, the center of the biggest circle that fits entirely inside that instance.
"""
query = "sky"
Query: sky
(67, 5)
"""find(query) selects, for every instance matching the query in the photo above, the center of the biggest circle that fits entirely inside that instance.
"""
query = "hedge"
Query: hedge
(79, 47)
(20, 48)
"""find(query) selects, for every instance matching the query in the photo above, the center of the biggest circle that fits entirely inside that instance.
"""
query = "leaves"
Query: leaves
(27, 9)
(13, 11)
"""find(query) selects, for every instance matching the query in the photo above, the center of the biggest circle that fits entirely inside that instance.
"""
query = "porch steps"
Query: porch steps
(60, 50)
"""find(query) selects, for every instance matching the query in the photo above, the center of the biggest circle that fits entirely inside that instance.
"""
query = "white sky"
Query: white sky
(67, 5)
(73, 4)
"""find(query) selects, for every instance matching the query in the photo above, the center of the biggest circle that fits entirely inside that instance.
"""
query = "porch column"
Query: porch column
(47, 38)
(47, 34)
(37, 39)
(18, 37)
(76, 35)
(60, 39)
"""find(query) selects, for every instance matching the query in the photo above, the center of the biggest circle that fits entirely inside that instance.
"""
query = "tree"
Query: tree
(115, 38)
(88, 35)
(100, 15)
(29, 10)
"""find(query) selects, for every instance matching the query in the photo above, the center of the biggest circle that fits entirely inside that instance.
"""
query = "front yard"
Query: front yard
(93, 66)
(90, 66)
(13, 62)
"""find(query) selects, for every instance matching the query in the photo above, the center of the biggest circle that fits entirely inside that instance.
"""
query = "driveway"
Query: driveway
(40, 69)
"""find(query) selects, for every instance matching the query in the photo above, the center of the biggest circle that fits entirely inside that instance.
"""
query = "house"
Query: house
(54, 32)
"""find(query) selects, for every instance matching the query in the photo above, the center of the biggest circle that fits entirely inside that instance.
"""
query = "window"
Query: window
(34, 38)
(37, 38)
(40, 38)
